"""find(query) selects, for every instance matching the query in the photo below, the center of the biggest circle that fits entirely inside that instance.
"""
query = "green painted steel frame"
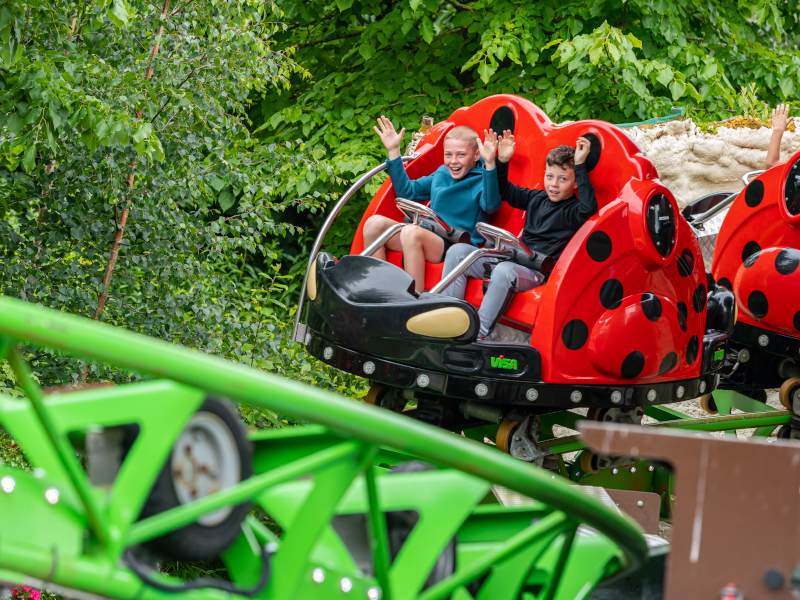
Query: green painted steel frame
(303, 478)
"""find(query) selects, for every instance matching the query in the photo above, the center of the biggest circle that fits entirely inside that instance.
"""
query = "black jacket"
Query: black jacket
(549, 226)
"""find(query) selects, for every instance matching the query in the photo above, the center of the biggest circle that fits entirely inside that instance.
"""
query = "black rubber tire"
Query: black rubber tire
(760, 395)
(196, 542)
(400, 524)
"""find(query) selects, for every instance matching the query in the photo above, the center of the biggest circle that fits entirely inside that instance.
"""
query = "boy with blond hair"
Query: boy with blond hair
(462, 192)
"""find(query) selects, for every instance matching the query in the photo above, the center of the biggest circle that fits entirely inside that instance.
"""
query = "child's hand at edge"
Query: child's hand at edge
(582, 147)
(781, 118)
(488, 148)
(390, 138)
(506, 147)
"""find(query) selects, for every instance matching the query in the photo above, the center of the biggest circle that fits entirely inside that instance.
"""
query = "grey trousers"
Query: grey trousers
(508, 278)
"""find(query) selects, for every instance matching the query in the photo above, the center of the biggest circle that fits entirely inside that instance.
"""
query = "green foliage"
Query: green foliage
(608, 59)
(124, 130)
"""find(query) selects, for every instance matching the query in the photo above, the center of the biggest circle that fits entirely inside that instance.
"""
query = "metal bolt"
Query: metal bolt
(346, 584)
(680, 391)
(532, 394)
(774, 579)
(763, 340)
(51, 494)
(481, 389)
(616, 397)
(651, 395)
(327, 353)
(651, 468)
(369, 367)
(7, 483)
(744, 355)
(702, 387)
(640, 503)
(614, 471)
(576, 396)
(373, 593)
(423, 380)
(633, 469)
(318, 575)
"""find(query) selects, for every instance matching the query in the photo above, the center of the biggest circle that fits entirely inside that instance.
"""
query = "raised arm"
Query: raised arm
(586, 197)
(516, 196)
(780, 121)
(490, 198)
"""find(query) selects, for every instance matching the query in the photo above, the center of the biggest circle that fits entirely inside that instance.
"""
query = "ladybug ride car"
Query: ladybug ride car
(621, 322)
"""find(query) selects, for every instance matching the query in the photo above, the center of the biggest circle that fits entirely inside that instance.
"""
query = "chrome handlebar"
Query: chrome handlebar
(497, 236)
(414, 209)
(747, 176)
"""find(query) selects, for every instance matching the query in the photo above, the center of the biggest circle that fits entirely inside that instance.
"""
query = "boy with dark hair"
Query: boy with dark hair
(552, 216)
(463, 192)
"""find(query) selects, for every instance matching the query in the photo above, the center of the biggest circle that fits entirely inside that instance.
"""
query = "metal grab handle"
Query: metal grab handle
(465, 264)
(414, 209)
(713, 211)
(496, 236)
(299, 332)
(747, 176)
(382, 239)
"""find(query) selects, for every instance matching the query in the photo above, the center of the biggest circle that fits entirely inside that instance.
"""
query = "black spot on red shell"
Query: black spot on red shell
(683, 314)
(599, 246)
(686, 263)
(699, 298)
(691, 349)
(669, 362)
(651, 307)
(632, 365)
(750, 249)
(726, 283)
(787, 261)
(575, 334)
(796, 320)
(757, 304)
(611, 294)
(754, 193)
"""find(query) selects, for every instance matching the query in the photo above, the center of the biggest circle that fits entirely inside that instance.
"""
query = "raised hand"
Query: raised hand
(582, 147)
(506, 147)
(390, 138)
(488, 148)
(781, 118)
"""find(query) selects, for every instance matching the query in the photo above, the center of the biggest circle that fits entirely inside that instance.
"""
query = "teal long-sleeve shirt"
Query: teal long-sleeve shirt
(461, 203)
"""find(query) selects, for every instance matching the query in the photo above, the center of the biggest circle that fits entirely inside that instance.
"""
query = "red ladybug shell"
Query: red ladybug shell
(767, 288)
(644, 336)
(605, 345)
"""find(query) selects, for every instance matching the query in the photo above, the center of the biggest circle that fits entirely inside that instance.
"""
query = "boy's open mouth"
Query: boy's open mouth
(455, 170)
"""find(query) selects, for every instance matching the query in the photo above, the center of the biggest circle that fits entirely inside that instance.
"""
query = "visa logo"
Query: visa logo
(498, 362)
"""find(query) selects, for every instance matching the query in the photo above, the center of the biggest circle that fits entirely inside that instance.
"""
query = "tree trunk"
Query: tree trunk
(123, 218)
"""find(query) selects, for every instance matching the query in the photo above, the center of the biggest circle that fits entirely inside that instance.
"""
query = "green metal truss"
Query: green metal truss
(59, 529)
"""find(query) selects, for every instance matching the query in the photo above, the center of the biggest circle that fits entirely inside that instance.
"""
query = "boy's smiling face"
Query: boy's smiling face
(559, 182)
(460, 157)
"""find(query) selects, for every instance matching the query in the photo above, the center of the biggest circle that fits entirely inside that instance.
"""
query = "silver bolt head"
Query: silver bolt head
(318, 575)
(346, 584)
(51, 494)
(374, 593)
(651, 468)
(744, 355)
(423, 380)
(640, 503)
(680, 391)
(633, 469)
(369, 367)
(763, 340)
(616, 397)
(481, 389)
(614, 471)
(576, 396)
(702, 387)
(328, 353)
(651, 395)
(532, 394)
